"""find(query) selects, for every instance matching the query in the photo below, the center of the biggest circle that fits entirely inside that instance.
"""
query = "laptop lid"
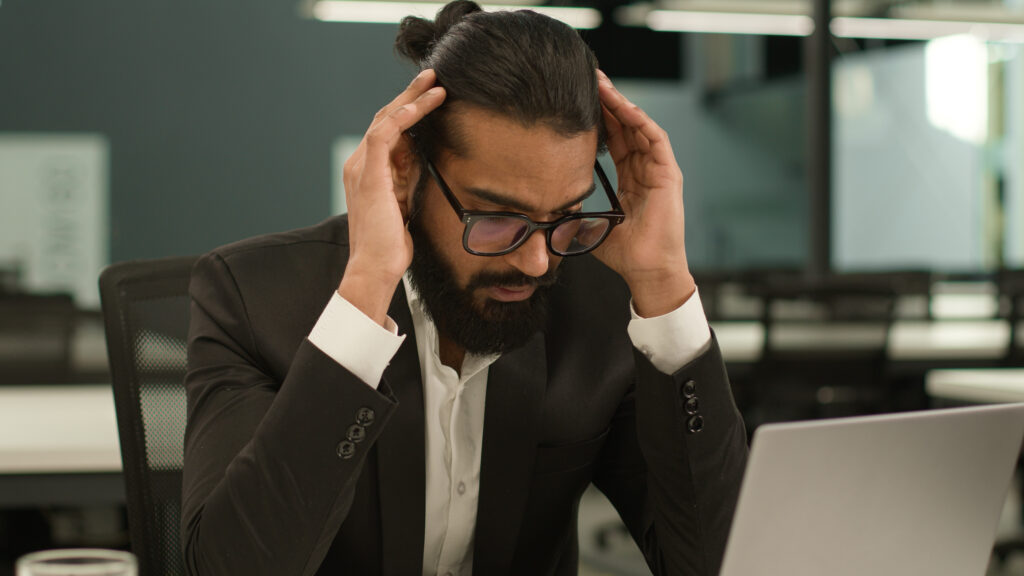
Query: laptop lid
(898, 494)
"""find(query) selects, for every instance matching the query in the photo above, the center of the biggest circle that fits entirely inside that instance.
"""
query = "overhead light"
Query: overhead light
(697, 17)
(908, 29)
(393, 12)
(730, 23)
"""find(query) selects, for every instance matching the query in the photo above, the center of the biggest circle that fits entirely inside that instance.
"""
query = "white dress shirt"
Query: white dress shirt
(454, 404)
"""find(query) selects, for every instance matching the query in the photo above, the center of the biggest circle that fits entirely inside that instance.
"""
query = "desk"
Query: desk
(59, 445)
(49, 434)
(908, 341)
(739, 341)
(950, 339)
(980, 385)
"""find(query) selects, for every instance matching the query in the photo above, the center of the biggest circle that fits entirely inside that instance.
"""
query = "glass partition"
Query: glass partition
(927, 151)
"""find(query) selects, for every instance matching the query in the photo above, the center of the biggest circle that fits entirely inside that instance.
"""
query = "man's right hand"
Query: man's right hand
(379, 182)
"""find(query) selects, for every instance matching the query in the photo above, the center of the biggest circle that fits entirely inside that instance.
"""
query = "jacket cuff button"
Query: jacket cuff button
(689, 389)
(365, 416)
(356, 433)
(346, 450)
(692, 406)
(695, 424)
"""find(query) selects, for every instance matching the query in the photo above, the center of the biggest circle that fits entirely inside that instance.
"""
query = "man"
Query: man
(429, 385)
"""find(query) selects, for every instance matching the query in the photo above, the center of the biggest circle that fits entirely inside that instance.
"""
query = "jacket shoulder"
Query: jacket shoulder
(331, 232)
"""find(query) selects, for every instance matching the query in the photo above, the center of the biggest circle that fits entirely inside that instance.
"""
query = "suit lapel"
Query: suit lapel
(400, 455)
(515, 391)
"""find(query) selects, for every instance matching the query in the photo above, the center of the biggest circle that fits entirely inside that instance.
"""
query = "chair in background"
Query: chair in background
(35, 338)
(146, 312)
(824, 348)
(1011, 294)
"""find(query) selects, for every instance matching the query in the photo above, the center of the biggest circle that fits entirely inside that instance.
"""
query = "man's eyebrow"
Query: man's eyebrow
(503, 200)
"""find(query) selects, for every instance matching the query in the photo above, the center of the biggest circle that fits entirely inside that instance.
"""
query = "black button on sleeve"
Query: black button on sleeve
(689, 389)
(356, 433)
(692, 406)
(346, 450)
(695, 424)
(365, 416)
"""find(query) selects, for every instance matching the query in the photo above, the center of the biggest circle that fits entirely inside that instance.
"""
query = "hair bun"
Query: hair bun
(417, 36)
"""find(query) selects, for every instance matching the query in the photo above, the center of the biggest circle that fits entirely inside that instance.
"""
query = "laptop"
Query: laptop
(916, 493)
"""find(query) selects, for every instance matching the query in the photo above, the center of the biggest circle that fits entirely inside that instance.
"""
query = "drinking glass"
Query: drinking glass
(77, 562)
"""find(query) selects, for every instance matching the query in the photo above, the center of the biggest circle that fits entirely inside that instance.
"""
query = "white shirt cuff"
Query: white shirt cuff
(672, 340)
(353, 340)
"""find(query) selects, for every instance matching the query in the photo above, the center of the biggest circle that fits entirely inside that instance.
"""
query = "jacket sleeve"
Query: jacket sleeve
(673, 464)
(270, 466)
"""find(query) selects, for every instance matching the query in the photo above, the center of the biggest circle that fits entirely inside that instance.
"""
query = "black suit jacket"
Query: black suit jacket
(269, 487)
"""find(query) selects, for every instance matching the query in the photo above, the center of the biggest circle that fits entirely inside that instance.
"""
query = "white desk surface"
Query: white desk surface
(743, 341)
(739, 341)
(956, 339)
(54, 429)
(981, 385)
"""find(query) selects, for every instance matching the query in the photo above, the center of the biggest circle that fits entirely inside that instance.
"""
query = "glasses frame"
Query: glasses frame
(615, 216)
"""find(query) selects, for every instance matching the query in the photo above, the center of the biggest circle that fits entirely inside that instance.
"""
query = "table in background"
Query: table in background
(928, 341)
(977, 385)
(59, 446)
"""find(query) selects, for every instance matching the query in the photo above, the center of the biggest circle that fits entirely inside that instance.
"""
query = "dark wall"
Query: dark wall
(220, 115)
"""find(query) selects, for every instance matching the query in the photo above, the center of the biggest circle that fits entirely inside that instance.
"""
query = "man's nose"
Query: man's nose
(532, 257)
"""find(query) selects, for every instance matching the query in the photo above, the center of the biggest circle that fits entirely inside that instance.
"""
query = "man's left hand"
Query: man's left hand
(649, 248)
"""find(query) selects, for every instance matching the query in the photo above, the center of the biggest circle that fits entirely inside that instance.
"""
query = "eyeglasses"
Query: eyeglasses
(498, 233)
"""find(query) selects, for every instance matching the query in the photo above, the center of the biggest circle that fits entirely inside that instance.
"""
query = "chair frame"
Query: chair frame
(119, 284)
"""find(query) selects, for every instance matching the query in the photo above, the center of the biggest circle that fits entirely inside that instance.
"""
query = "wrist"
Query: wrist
(369, 291)
(660, 293)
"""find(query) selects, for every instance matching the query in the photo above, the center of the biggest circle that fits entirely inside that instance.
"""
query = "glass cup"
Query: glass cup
(77, 562)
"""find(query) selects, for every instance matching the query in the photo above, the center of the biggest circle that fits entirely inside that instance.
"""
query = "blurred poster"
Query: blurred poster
(53, 212)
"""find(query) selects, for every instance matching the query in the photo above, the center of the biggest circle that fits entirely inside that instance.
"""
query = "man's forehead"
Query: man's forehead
(533, 169)
(476, 130)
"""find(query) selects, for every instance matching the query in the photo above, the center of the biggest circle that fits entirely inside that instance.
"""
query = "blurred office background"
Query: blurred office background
(854, 188)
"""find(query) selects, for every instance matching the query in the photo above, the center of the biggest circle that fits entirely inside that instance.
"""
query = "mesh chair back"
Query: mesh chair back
(146, 311)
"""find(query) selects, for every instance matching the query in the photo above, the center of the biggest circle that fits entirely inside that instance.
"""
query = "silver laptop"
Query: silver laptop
(917, 493)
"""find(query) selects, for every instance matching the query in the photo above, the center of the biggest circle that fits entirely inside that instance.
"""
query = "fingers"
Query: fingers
(386, 131)
(635, 130)
(419, 88)
(616, 145)
(419, 85)
(416, 101)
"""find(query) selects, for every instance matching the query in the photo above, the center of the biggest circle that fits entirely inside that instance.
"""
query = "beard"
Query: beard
(490, 327)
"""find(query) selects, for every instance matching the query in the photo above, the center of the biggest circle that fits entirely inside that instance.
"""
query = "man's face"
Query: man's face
(489, 304)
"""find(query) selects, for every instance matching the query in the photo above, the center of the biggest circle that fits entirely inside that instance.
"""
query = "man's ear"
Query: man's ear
(405, 173)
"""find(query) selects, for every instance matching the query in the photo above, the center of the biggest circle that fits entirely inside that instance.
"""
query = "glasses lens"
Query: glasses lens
(579, 235)
(493, 234)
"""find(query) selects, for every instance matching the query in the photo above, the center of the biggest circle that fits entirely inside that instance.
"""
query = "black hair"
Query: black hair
(520, 64)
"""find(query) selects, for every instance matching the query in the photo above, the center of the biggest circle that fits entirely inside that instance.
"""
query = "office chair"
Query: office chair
(824, 349)
(1011, 293)
(35, 338)
(146, 312)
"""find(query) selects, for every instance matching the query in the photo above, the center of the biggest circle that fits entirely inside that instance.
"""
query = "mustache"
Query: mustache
(518, 279)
